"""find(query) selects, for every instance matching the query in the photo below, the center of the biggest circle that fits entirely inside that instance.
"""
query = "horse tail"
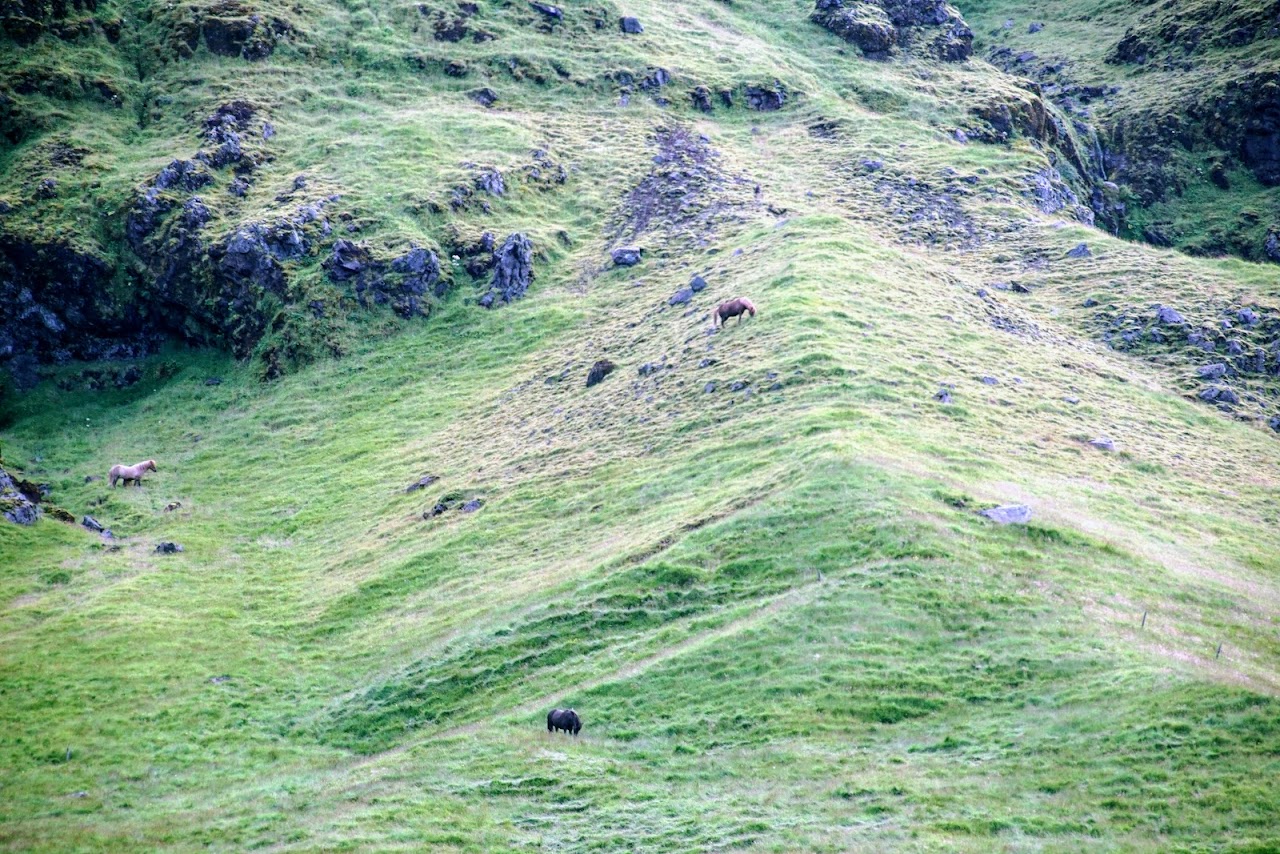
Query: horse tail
(715, 316)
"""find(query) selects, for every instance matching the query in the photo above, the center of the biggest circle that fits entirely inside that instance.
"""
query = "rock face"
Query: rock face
(878, 27)
(631, 25)
(59, 303)
(512, 271)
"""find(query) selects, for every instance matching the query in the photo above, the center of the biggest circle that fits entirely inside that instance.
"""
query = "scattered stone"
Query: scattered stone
(681, 297)
(631, 26)
(708, 362)
(471, 506)
(1169, 316)
(218, 680)
(943, 395)
(709, 387)
(873, 165)
(627, 256)
(92, 524)
(1234, 347)
(90, 478)
(1008, 514)
(649, 368)
(1247, 316)
(484, 96)
(1035, 27)
(80, 794)
(422, 483)
(1081, 250)
(701, 98)
(697, 284)
(1090, 303)
(268, 130)
(213, 381)
(960, 136)
(172, 505)
(1072, 399)
(1103, 443)
(1218, 394)
(1215, 371)
(553, 13)
(439, 508)
(599, 371)
(168, 548)
(990, 381)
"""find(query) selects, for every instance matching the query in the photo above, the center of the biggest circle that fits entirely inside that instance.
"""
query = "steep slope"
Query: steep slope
(751, 559)
(1182, 100)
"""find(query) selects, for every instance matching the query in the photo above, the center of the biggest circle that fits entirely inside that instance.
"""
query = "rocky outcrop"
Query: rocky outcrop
(879, 27)
(512, 271)
(17, 505)
(61, 303)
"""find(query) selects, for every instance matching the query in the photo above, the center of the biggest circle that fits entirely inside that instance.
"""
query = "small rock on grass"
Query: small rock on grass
(421, 483)
(599, 371)
(1080, 250)
(168, 548)
(1008, 514)
(627, 256)
(1103, 443)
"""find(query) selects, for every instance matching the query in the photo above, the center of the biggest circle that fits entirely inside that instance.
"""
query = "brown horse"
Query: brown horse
(732, 308)
(131, 473)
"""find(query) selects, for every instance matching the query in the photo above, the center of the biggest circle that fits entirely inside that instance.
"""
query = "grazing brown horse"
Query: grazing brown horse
(131, 473)
(732, 308)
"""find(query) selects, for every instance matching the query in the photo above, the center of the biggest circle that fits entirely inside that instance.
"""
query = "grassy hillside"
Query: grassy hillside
(751, 559)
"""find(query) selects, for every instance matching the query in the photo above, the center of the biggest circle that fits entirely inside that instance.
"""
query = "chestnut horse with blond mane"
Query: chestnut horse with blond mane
(732, 308)
(131, 473)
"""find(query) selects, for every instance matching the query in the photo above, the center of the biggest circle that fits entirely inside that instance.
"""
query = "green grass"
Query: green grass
(778, 613)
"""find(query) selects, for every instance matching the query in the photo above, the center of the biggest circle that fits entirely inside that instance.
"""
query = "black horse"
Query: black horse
(563, 719)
